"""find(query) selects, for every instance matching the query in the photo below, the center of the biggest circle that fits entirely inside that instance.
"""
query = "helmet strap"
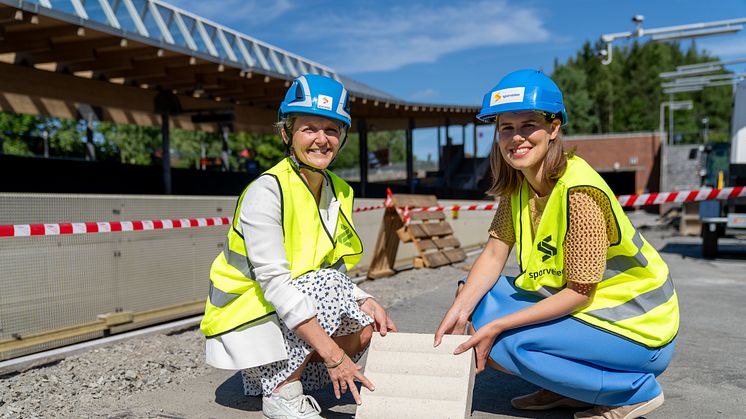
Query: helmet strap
(289, 143)
(301, 165)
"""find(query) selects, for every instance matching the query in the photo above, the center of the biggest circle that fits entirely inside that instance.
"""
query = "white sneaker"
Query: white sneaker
(290, 403)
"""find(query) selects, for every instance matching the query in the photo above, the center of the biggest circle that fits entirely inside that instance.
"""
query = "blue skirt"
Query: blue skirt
(570, 357)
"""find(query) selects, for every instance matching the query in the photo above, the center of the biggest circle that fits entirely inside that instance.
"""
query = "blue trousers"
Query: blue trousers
(570, 357)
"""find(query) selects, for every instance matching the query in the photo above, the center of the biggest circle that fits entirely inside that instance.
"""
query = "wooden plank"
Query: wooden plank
(418, 231)
(426, 244)
(435, 259)
(139, 319)
(117, 318)
(380, 273)
(384, 254)
(418, 263)
(447, 242)
(430, 215)
(150, 317)
(48, 336)
(455, 255)
(437, 229)
(408, 200)
(404, 234)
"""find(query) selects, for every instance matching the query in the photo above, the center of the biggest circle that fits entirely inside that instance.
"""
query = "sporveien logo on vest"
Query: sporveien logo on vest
(546, 248)
(346, 236)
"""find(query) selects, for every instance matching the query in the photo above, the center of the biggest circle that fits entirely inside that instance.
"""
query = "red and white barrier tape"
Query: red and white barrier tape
(654, 198)
(706, 194)
(483, 207)
(26, 230)
(364, 209)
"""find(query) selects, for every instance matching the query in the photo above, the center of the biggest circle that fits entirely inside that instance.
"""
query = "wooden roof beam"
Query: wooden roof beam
(152, 68)
(257, 94)
(180, 75)
(11, 15)
(73, 51)
(36, 32)
(111, 60)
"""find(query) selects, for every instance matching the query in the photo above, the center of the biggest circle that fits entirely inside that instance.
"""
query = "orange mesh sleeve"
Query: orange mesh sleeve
(587, 239)
(502, 224)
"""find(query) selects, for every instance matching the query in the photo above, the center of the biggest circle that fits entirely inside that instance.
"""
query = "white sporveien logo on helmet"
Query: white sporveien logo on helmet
(510, 95)
(324, 102)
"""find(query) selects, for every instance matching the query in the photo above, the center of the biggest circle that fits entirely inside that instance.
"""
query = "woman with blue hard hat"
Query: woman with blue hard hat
(592, 317)
(281, 307)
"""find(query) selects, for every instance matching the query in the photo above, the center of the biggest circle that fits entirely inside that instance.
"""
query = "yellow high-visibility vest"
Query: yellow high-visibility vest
(235, 298)
(636, 298)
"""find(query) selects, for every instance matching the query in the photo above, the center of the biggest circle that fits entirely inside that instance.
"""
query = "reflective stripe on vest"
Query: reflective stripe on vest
(220, 298)
(238, 261)
(339, 266)
(622, 263)
(636, 306)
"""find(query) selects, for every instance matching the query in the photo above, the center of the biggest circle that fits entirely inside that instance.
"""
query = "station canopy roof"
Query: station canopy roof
(60, 57)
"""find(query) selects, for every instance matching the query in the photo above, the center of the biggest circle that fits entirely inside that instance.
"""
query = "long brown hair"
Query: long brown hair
(506, 180)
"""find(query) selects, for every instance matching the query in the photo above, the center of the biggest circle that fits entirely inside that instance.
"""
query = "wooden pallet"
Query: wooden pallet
(431, 234)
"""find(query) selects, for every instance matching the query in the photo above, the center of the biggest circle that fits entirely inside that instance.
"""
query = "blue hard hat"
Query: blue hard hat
(524, 90)
(317, 95)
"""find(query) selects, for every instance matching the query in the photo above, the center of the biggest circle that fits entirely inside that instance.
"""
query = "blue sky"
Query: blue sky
(454, 51)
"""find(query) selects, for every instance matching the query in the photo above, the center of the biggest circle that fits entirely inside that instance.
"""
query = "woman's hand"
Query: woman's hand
(453, 323)
(382, 323)
(343, 373)
(482, 342)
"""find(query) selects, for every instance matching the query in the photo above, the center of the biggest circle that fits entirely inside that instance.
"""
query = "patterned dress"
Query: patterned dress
(338, 314)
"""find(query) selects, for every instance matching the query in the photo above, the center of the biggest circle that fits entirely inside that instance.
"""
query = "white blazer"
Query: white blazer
(261, 222)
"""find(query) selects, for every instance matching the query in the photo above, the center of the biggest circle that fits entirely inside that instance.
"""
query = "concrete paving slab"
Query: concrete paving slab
(415, 380)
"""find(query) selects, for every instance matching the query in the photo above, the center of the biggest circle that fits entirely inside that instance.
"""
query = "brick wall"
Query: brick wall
(623, 152)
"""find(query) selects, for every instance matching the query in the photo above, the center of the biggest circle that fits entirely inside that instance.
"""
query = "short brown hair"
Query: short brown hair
(506, 180)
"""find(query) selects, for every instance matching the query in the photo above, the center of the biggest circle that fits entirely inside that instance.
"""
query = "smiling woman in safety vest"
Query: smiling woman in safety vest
(592, 317)
(281, 307)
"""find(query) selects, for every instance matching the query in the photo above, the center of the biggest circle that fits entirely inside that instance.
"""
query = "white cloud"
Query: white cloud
(383, 40)
(236, 12)
(425, 94)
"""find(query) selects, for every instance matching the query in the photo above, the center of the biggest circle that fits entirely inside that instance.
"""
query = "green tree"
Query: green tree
(66, 137)
(16, 132)
(266, 149)
(136, 144)
(393, 141)
(187, 146)
(577, 98)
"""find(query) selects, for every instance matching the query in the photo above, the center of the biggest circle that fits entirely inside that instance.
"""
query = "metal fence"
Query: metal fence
(54, 282)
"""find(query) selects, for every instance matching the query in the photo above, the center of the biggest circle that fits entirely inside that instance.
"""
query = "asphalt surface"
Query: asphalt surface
(706, 379)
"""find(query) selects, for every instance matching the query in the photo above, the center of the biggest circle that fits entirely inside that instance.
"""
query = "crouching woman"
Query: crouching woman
(281, 307)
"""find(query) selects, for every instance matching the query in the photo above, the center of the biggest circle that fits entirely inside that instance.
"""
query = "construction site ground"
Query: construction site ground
(164, 375)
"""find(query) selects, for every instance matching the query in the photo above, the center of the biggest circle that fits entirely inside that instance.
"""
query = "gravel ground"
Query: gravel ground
(90, 384)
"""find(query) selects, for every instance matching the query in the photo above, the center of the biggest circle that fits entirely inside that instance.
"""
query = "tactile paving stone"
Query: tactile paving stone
(414, 380)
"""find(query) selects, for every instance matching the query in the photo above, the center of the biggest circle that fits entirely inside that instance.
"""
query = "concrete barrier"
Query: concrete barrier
(414, 380)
